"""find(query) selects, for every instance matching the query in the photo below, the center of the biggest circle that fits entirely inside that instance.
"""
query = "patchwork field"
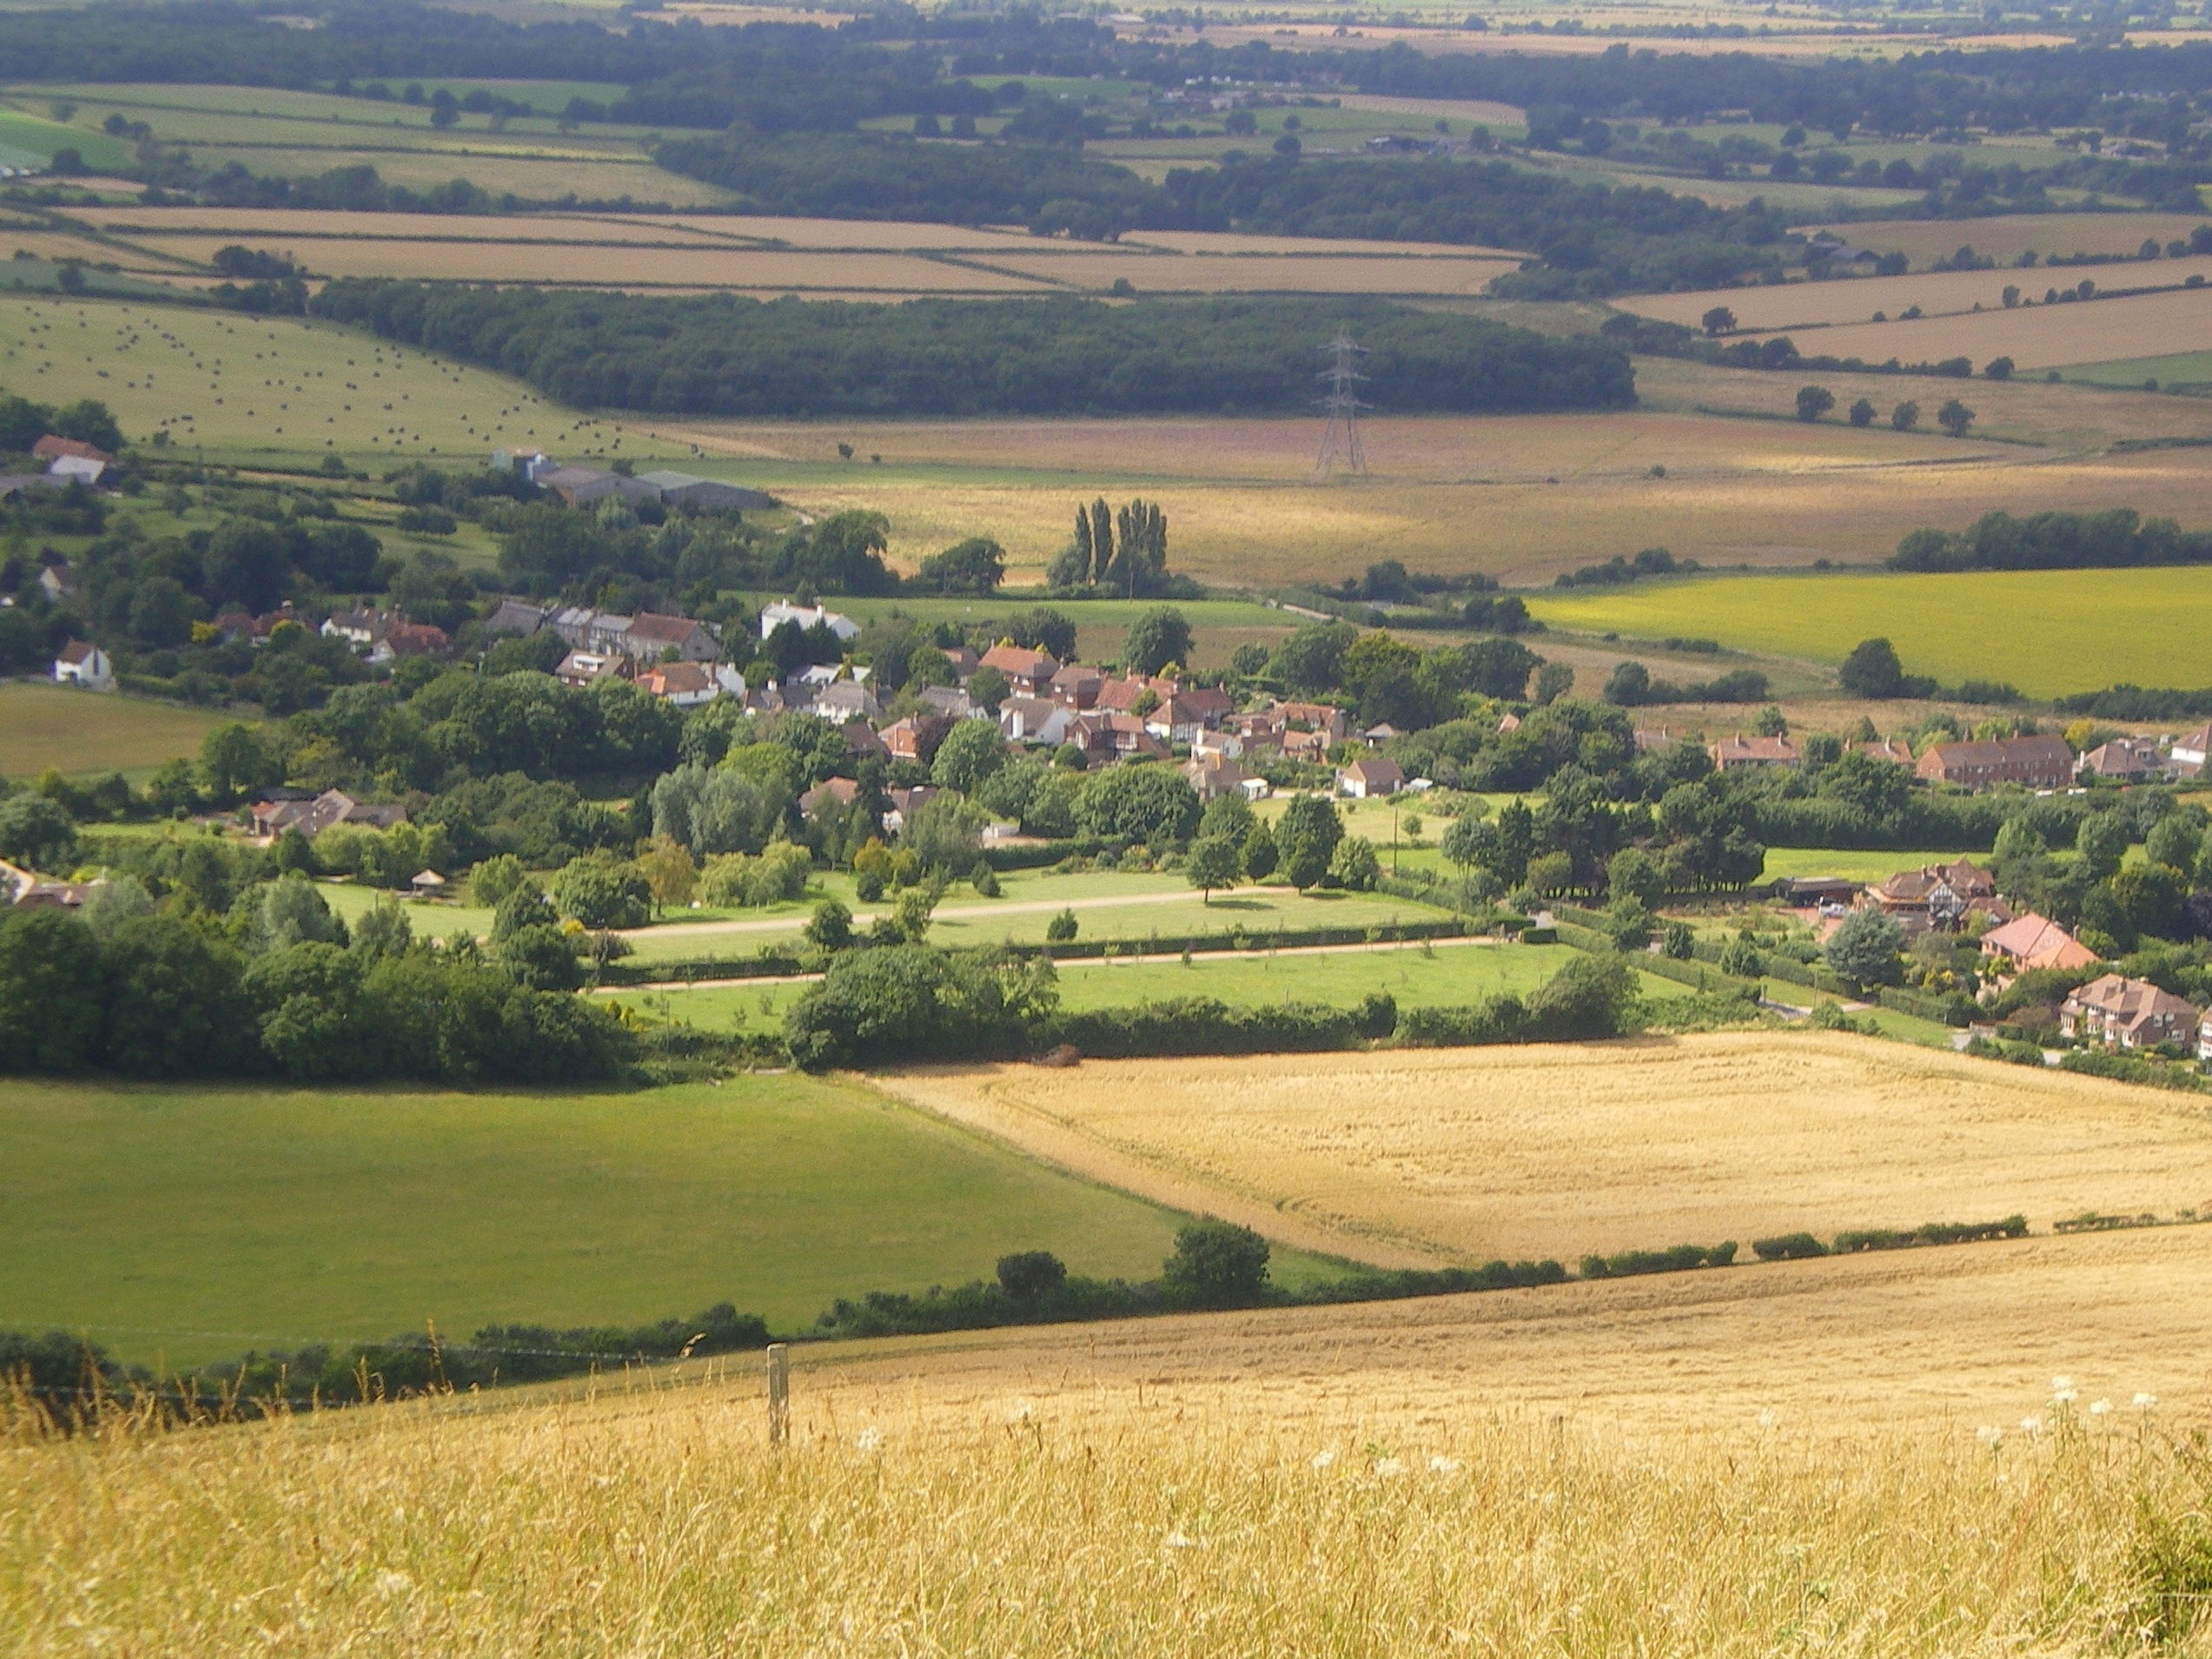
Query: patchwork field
(1462, 1155)
(44, 725)
(2005, 238)
(196, 1222)
(1942, 295)
(2050, 632)
(2034, 337)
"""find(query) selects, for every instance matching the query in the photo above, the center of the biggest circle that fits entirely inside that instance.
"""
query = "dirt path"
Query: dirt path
(960, 912)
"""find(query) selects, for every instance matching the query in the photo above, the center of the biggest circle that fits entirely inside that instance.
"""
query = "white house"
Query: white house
(83, 664)
(773, 616)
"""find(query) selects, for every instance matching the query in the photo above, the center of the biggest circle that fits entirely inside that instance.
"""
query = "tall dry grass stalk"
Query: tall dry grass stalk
(656, 1520)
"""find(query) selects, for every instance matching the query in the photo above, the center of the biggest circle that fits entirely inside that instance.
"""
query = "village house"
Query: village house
(1213, 775)
(2204, 1039)
(904, 803)
(59, 584)
(1371, 777)
(1894, 750)
(1078, 685)
(2032, 763)
(1102, 733)
(686, 684)
(272, 818)
(915, 737)
(582, 668)
(586, 629)
(1023, 719)
(84, 664)
(860, 739)
(2127, 760)
(837, 702)
(2128, 1013)
(807, 617)
(2189, 751)
(1029, 672)
(964, 661)
(1935, 896)
(1737, 751)
(517, 616)
(950, 703)
(650, 638)
(831, 792)
(2031, 941)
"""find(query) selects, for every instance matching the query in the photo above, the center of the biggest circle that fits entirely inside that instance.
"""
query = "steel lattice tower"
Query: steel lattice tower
(1341, 437)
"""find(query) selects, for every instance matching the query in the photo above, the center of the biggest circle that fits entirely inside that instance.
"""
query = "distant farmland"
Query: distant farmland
(88, 731)
(2047, 632)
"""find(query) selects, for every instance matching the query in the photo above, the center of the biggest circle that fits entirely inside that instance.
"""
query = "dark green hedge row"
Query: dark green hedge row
(1681, 1258)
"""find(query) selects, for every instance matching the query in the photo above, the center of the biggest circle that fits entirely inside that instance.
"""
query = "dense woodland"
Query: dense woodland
(722, 354)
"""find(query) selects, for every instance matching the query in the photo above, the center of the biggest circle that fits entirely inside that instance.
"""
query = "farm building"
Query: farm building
(704, 494)
(2033, 762)
(69, 459)
(84, 664)
(2128, 1013)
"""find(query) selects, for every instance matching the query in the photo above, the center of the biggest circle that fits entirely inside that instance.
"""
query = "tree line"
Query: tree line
(724, 354)
(2117, 538)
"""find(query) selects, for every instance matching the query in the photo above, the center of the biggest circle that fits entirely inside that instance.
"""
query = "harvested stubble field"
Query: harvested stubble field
(1731, 1463)
(1257, 273)
(76, 732)
(2035, 337)
(2008, 236)
(309, 225)
(277, 387)
(1462, 1155)
(2062, 630)
(1948, 297)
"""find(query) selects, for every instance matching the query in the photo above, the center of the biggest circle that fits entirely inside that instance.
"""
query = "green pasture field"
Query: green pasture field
(275, 391)
(22, 130)
(192, 1223)
(1447, 976)
(962, 920)
(2192, 370)
(82, 732)
(1850, 864)
(2047, 632)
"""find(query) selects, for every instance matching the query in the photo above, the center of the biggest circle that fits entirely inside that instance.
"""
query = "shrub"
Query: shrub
(1681, 1258)
(774, 876)
(1788, 1246)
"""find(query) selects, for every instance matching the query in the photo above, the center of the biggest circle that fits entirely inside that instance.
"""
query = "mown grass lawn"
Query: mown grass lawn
(196, 1222)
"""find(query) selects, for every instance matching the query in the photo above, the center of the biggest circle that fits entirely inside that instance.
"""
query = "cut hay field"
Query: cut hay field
(240, 388)
(2048, 632)
(1942, 295)
(2035, 337)
(196, 1222)
(2008, 236)
(44, 725)
(1462, 1155)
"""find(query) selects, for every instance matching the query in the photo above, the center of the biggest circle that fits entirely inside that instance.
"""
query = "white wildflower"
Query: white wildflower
(869, 1439)
(2145, 1402)
(2059, 1385)
(2100, 1408)
(1769, 1418)
(1988, 1434)
(2065, 1396)
(1179, 1539)
(1324, 1457)
(390, 1584)
(2032, 1425)
(1389, 1467)
(1440, 1465)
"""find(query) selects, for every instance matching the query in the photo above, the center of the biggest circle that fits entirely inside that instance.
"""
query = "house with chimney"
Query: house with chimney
(2124, 1012)
(1029, 672)
(1935, 896)
(2030, 762)
(2028, 943)
(1738, 753)
(82, 664)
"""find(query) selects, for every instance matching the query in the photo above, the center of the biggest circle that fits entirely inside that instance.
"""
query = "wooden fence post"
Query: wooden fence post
(779, 1393)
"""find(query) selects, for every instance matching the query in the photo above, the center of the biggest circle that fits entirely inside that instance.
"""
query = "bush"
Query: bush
(1681, 1258)
(1216, 1264)
(774, 876)
(1788, 1246)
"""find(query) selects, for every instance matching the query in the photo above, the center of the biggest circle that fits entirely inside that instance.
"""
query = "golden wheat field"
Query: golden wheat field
(1461, 1155)
(2008, 236)
(1251, 272)
(1324, 1482)
(1855, 300)
(2100, 331)
(152, 223)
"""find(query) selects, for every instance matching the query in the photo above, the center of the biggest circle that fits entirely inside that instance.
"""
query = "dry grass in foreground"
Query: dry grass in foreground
(657, 1522)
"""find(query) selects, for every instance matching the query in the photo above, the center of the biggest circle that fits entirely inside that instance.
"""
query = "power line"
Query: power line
(1341, 437)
